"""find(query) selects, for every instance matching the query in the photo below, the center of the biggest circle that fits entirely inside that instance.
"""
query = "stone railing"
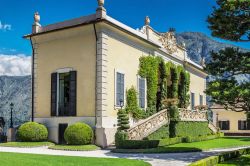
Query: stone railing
(147, 126)
(188, 115)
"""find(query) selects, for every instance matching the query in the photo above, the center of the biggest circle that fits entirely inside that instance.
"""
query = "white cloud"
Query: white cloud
(5, 27)
(15, 65)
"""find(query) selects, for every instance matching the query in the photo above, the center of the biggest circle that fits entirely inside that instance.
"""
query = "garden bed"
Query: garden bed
(75, 147)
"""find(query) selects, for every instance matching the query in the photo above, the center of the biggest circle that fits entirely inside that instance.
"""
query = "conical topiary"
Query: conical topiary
(123, 120)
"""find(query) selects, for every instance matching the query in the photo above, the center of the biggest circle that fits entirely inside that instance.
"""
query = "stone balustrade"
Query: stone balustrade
(147, 126)
(196, 115)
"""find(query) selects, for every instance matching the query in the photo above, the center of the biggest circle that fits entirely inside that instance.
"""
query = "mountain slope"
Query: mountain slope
(199, 45)
(16, 89)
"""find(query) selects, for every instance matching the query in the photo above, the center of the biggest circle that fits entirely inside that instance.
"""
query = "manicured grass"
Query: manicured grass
(243, 160)
(75, 147)
(26, 144)
(224, 142)
(14, 159)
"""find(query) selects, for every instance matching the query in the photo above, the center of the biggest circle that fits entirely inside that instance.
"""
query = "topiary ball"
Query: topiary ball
(32, 132)
(78, 134)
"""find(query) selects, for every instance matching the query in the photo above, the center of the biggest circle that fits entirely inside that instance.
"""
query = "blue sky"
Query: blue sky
(16, 17)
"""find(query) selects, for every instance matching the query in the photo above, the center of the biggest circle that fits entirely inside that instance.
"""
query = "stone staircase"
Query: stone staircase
(147, 126)
(213, 127)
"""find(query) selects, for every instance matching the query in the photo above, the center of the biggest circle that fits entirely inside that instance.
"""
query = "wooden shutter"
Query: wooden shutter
(53, 94)
(72, 93)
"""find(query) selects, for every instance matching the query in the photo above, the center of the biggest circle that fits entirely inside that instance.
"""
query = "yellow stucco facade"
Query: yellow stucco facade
(232, 118)
(97, 50)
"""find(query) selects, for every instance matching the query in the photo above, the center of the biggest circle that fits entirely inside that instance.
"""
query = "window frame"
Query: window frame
(124, 88)
(246, 125)
(220, 125)
(60, 71)
(201, 96)
(192, 101)
(138, 92)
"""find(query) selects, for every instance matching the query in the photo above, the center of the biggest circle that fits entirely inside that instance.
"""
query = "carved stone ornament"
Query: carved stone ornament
(168, 41)
(36, 17)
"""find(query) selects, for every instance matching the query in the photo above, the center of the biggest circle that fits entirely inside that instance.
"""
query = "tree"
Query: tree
(123, 120)
(230, 21)
(226, 66)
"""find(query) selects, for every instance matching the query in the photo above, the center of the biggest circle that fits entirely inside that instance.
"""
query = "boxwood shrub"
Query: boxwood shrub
(32, 132)
(78, 134)
(214, 160)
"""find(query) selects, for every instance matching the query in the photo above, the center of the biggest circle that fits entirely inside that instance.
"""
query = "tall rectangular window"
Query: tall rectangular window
(142, 90)
(201, 99)
(224, 125)
(192, 101)
(119, 89)
(63, 95)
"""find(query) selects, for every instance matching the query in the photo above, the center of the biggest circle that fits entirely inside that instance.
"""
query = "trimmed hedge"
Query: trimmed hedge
(32, 132)
(214, 160)
(78, 134)
(161, 133)
(189, 139)
(192, 129)
(170, 141)
(121, 141)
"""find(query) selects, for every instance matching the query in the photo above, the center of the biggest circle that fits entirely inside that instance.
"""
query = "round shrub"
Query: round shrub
(78, 134)
(32, 132)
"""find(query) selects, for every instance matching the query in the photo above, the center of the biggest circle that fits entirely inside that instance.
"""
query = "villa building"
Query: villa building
(82, 68)
(231, 123)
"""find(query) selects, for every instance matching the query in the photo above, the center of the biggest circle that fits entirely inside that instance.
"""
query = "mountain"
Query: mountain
(18, 89)
(15, 89)
(199, 45)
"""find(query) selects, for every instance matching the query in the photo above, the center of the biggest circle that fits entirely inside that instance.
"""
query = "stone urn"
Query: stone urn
(100, 2)
(37, 17)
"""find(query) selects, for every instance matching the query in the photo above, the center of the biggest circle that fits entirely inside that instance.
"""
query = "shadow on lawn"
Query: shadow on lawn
(238, 138)
(163, 153)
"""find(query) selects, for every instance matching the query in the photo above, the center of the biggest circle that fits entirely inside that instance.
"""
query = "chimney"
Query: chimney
(36, 27)
(101, 11)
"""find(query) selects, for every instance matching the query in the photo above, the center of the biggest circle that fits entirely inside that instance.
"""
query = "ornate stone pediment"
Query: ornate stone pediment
(168, 41)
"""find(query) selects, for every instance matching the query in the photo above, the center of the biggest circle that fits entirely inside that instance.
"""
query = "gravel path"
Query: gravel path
(164, 159)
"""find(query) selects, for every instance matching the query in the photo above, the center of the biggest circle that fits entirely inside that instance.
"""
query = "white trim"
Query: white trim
(138, 91)
(64, 70)
(124, 94)
(201, 94)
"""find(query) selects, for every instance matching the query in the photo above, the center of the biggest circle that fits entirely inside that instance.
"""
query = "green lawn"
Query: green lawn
(241, 161)
(17, 159)
(26, 144)
(224, 142)
(75, 147)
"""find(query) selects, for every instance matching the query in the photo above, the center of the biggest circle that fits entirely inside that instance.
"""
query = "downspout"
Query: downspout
(96, 39)
(32, 82)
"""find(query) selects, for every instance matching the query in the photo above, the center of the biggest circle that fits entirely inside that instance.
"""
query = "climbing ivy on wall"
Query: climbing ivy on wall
(162, 84)
(183, 87)
(148, 69)
(164, 80)
(132, 104)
